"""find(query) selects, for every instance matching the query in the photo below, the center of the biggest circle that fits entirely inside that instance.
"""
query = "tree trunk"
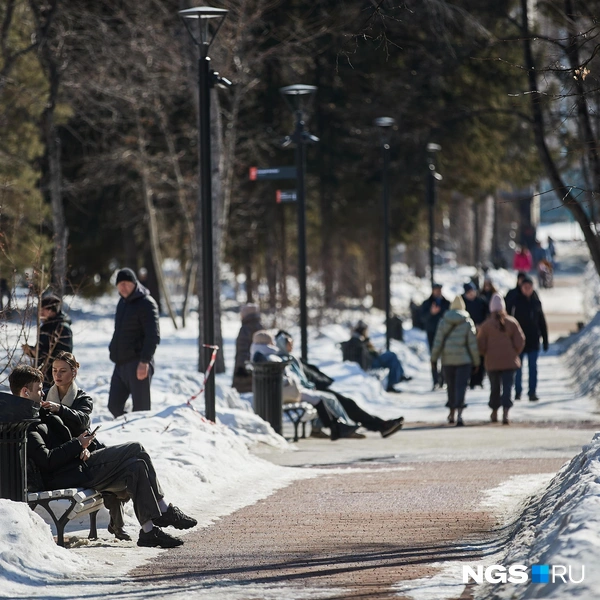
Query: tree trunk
(153, 238)
(562, 191)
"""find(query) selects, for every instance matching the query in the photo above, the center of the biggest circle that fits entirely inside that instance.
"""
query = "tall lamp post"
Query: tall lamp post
(297, 98)
(385, 125)
(203, 24)
(432, 177)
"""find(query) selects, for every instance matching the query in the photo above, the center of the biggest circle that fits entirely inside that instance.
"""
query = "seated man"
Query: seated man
(313, 379)
(329, 409)
(65, 461)
(385, 360)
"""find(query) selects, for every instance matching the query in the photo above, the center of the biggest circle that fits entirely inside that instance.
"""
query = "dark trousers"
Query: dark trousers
(478, 375)
(127, 468)
(501, 383)
(436, 375)
(358, 415)
(124, 383)
(457, 380)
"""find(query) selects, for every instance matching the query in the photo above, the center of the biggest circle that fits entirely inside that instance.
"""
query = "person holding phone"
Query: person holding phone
(64, 461)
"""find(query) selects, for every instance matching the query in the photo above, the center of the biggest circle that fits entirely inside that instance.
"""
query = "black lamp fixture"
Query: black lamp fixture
(386, 126)
(203, 23)
(299, 97)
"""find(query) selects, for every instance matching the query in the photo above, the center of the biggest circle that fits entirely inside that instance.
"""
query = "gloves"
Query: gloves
(545, 346)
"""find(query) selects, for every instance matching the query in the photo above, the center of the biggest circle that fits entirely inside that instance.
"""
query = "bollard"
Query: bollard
(267, 387)
(15, 418)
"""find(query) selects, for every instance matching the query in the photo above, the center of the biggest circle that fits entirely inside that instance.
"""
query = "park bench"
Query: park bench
(300, 413)
(65, 505)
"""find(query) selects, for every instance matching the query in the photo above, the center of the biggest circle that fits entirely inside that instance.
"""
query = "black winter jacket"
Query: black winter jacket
(528, 312)
(477, 308)
(77, 416)
(430, 322)
(55, 454)
(136, 328)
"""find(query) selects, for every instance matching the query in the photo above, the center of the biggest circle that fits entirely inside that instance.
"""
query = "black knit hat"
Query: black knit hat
(51, 301)
(126, 275)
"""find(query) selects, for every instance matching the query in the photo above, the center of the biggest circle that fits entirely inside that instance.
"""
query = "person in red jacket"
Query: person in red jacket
(522, 260)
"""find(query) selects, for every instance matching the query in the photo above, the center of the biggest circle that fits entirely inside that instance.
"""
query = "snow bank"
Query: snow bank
(560, 526)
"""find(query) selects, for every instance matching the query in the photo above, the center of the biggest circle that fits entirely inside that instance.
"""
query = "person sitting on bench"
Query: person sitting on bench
(384, 360)
(311, 377)
(329, 409)
(65, 461)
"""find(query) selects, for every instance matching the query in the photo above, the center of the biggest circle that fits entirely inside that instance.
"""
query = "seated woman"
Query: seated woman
(74, 407)
(330, 411)
(385, 360)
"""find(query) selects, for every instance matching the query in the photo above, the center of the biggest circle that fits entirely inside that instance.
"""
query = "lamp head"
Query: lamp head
(386, 126)
(433, 147)
(298, 97)
(203, 23)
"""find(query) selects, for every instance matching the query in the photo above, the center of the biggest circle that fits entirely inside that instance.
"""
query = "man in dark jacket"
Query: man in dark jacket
(133, 345)
(242, 380)
(526, 308)
(432, 311)
(65, 461)
(55, 336)
(477, 307)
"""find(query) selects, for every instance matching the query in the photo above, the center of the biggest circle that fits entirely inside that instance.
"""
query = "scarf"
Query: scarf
(69, 398)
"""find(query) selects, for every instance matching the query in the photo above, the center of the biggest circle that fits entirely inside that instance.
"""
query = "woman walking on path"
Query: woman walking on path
(501, 341)
(456, 343)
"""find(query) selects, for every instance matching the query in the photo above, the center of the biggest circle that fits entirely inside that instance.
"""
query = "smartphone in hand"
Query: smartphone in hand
(94, 431)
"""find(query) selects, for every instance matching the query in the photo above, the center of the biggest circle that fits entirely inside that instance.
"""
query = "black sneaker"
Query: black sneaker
(174, 517)
(533, 398)
(393, 390)
(119, 533)
(157, 538)
(391, 427)
(517, 396)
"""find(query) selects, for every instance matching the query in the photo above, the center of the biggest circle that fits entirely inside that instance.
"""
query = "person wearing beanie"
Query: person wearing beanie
(500, 340)
(55, 336)
(478, 310)
(456, 344)
(432, 311)
(134, 342)
(251, 323)
(526, 308)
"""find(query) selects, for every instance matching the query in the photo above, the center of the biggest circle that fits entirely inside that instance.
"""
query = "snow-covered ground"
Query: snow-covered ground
(208, 469)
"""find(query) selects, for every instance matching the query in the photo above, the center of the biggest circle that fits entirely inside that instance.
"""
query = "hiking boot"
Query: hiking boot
(451, 417)
(318, 433)
(494, 416)
(533, 398)
(174, 517)
(342, 430)
(119, 533)
(505, 417)
(390, 427)
(459, 422)
(157, 538)
(517, 396)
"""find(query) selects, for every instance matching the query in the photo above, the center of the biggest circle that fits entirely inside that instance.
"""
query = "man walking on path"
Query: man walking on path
(432, 310)
(242, 379)
(133, 345)
(477, 307)
(526, 308)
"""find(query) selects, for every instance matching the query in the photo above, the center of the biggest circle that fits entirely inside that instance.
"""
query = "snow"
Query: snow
(209, 470)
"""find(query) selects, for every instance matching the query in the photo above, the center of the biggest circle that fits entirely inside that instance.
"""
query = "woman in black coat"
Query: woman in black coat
(74, 406)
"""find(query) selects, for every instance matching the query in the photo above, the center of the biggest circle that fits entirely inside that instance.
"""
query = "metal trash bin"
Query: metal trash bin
(267, 388)
(16, 414)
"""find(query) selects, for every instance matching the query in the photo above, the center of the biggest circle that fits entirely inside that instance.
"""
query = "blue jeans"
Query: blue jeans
(532, 356)
(388, 360)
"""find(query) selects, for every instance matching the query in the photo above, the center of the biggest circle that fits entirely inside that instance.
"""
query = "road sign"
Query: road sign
(272, 173)
(286, 196)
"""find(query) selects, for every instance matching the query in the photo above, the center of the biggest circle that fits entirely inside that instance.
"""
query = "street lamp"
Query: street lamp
(298, 98)
(203, 24)
(432, 177)
(386, 125)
